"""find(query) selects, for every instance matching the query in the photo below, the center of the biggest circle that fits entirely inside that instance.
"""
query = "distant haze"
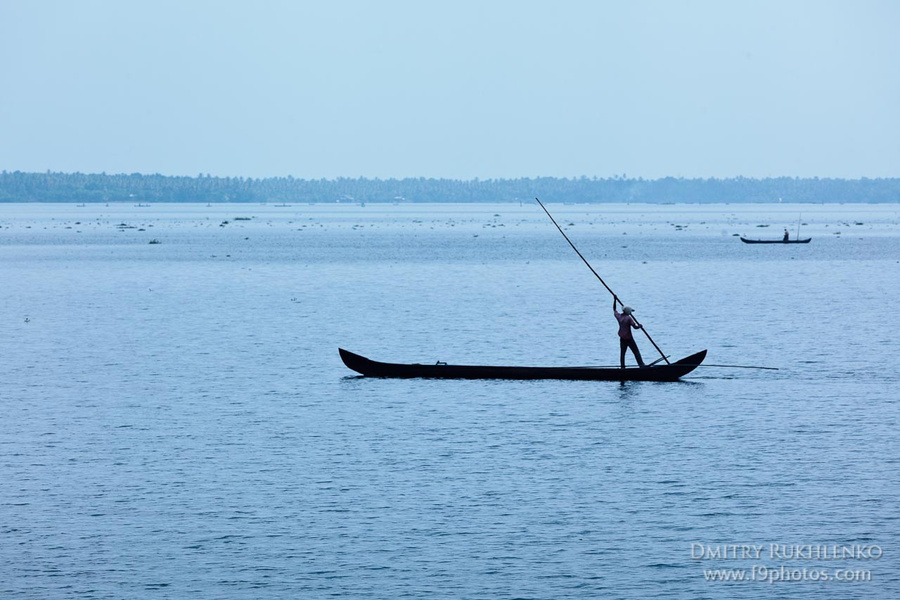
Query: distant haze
(463, 89)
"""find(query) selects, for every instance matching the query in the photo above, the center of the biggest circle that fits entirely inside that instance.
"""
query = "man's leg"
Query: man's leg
(637, 353)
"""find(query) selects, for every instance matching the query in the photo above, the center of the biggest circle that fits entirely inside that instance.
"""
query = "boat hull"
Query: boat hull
(668, 372)
(746, 241)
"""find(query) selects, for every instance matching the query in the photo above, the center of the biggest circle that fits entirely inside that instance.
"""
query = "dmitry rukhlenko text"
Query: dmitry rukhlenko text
(803, 552)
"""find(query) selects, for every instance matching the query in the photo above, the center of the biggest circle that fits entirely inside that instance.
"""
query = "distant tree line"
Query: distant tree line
(138, 188)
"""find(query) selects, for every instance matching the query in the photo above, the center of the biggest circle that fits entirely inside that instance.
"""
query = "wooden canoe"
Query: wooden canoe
(662, 372)
(803, 241)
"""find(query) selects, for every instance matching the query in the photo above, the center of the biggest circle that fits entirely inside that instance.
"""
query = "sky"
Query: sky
(463, 89)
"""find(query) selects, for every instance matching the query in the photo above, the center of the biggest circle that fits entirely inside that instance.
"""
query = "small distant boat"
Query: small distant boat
(784, 240)
(668, 372)
(746, 241)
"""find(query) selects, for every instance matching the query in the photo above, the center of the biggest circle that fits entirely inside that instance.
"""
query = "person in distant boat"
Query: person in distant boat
(786, 236)
(626, 339)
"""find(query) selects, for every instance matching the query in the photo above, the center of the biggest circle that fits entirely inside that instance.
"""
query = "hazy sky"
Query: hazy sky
(457, 89)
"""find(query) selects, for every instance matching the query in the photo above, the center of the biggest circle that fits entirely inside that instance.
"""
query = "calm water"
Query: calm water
(177, 422)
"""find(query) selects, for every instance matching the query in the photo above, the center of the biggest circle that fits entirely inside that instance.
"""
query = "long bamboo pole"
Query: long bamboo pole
(615, 297)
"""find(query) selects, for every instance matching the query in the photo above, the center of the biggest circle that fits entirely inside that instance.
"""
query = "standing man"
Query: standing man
(626, 340)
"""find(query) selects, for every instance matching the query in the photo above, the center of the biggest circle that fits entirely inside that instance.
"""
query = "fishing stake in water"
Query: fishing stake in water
(600, 278)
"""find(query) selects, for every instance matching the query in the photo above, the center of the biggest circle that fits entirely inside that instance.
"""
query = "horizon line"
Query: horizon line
(622, 177)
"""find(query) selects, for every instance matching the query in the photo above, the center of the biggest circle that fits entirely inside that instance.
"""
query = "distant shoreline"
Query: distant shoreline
(81, 188)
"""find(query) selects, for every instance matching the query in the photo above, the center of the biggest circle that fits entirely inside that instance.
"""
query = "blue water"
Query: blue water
(177, 422)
